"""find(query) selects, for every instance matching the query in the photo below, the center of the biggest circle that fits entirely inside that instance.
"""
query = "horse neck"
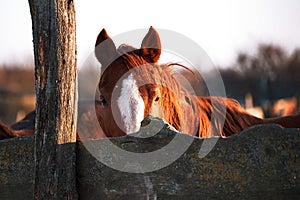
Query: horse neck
(222, 117)
(292, 121)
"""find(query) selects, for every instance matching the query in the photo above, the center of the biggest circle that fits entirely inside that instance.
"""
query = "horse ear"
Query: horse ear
(151, 47)
(105, 49)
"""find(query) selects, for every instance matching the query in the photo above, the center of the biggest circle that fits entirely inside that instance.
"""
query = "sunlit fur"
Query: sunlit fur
(183, 111)
(198, 116)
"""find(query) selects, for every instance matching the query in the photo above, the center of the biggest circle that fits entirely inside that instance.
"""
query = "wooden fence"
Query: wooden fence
(261, 162)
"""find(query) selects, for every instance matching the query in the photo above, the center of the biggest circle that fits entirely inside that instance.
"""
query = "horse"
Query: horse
(253, 110)
(133, 85)
(284, 107)
(87, 120)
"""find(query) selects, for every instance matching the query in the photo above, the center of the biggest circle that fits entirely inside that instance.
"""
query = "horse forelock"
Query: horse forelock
(125, 48)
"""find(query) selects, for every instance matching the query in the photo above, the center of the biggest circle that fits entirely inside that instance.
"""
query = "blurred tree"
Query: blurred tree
(244, 62)
(17, 95)
(268, 74)
(292, 71)
(270, 59)
(267, 63)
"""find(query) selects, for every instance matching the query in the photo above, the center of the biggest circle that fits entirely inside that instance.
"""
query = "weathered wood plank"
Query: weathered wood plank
(17, 168)
(261, 162)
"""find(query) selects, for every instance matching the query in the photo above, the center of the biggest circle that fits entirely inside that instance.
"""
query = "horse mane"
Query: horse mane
(229, 117)
(181, 105)
(198, 116)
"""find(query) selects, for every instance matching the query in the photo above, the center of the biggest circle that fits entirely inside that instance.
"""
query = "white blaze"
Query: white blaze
(131, 105)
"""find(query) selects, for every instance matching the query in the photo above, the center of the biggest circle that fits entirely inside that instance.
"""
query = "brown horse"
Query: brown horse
(285, 107)
(133, 85)
(88, 114)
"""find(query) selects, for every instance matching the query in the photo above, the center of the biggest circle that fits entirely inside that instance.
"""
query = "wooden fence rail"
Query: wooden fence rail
(261, 162)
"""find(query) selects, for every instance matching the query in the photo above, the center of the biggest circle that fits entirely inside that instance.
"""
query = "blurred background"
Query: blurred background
(255, 45)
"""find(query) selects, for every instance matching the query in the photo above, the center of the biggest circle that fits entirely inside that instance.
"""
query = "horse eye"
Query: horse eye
(103, 101)
(156, 99)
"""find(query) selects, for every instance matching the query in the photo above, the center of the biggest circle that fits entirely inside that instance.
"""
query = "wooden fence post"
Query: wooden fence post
(54, 38)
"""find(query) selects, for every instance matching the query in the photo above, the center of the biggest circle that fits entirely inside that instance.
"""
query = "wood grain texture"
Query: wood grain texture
(54, 40)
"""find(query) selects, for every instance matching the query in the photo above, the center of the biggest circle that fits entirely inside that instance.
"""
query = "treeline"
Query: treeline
(17, 94)
(269, 74)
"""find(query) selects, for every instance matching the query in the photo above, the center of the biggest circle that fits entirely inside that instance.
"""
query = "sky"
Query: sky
(221, 28)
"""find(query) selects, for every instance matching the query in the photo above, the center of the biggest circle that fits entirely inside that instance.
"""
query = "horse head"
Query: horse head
(133, 85)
